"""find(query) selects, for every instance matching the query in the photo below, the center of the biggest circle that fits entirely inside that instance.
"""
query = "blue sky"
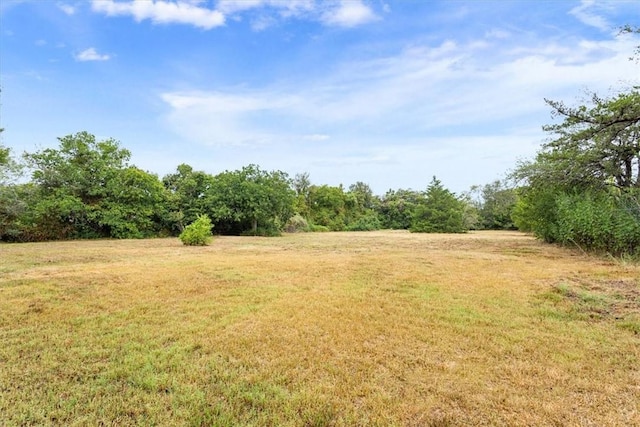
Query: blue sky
(386, 92)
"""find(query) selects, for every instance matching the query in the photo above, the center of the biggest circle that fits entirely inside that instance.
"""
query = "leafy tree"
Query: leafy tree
(327, 206)
(396, 208)
(301, 185)
(135, 204)
(187, 195)
(13, 196)
(4, 155)
(494, 204)
(86, 189)
(250, 201)
(584, 185)
(594, 146)
(441, 211)
(361, 204)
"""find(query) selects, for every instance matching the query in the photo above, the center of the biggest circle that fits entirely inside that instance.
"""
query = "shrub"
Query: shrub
(296, 224)
(198, 233)
(367, 222)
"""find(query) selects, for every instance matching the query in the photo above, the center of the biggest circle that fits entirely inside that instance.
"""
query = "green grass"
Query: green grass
(329, 329)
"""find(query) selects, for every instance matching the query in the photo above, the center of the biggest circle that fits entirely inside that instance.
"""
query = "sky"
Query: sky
(385, 92)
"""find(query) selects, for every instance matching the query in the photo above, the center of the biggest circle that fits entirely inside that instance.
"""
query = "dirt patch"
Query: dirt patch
(605, 299)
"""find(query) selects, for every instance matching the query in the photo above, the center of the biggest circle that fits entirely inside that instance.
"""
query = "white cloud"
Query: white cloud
(348, 13)
(91, 54)
(587, 15)
(68, 9)
(163, 12)
(342, 13)
(413, 97)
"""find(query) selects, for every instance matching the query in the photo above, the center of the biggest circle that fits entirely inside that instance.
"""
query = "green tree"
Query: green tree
(593, 147)
(4, 155)
(584, 185)
(396, 208)
(361, 205)
(13, 196)
(301, 185)
(87, 189)
(187, 195)
(250, 201)
(327, 206)
(441, 211)
(135, 204)
(494, 204)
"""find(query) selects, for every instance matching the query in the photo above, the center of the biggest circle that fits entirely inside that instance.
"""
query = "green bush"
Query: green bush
(367, 222)
(597, 220)
(319, 228)
(198, 233)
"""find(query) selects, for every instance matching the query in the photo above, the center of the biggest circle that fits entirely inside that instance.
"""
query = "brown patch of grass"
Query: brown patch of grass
(599, 300)
(380, 328)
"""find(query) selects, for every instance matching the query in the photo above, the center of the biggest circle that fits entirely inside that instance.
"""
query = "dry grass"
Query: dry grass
(382, 328)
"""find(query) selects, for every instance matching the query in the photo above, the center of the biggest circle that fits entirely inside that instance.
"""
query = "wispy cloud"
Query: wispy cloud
(422, 92)
(341, 13)
(66, 8)
(163, 12)
(91, 54)
(587, 15)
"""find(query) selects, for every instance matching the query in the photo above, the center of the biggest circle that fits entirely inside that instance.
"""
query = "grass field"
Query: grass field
(363, 329)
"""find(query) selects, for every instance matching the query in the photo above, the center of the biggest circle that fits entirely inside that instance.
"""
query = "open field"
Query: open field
(380, 328)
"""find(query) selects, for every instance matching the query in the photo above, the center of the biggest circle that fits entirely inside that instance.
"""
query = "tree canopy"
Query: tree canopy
(594, 146)
(583, 188)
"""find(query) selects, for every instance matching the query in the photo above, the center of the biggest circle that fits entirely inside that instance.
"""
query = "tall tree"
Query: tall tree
(327, 207)
(593, 146)
(188, 191)
(86, 189)
(250, 201)
(441, 211)
(494, 203)
(584, 185)
(301, 185)
(13, 196)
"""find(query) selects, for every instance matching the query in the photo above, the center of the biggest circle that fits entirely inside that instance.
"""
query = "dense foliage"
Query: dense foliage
(439, 212)
(493, 206)
(583, 188)
(87, 188)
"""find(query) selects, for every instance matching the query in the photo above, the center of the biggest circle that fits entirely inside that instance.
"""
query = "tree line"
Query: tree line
(87, 188)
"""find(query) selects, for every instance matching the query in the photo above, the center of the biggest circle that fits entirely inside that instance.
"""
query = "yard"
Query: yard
(378, 328)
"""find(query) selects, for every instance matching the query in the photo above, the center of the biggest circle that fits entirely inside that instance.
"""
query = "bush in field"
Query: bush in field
(198, 233)
(296, 224)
